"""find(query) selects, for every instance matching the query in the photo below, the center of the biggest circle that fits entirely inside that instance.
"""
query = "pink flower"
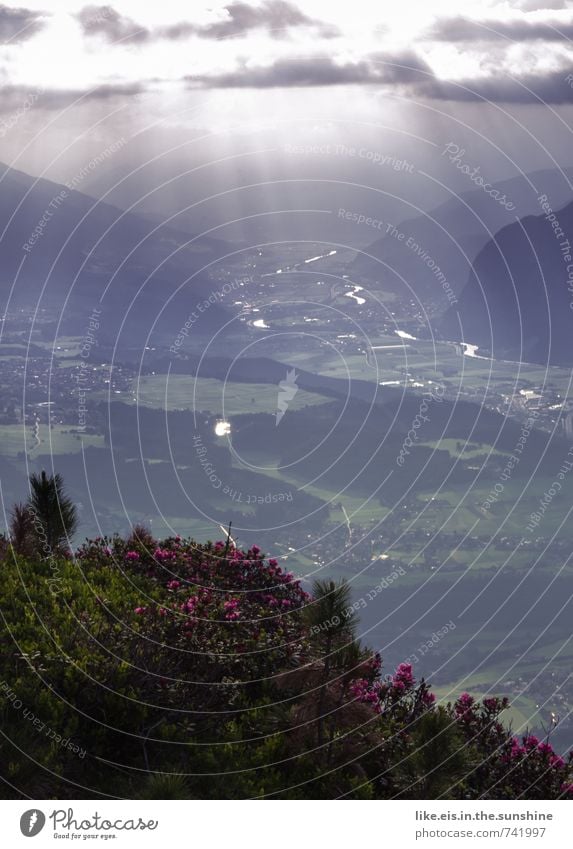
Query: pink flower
(132, 555)
(464, 707)
(358, 687)
(375, 663)
(163, 554)
(140, 610)
(361, 690)
(230, 608)
(403, 676)
(515, 750)
(173, 585)
(190, 605)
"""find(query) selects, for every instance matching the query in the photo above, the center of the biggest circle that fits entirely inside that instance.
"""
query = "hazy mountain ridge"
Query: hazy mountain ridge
(453, 233)
(61, 244)
(517, 302)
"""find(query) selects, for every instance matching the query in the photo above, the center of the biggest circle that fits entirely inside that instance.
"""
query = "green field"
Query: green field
(59, 439)
(459, 448)
(185, 392)
(526, 710)
(423, 360)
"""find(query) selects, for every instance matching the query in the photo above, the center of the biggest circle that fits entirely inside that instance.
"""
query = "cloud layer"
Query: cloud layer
(275, 17)
(18, 25)
(463, 29)
(377, 69)
(518, 55)
(407, 73)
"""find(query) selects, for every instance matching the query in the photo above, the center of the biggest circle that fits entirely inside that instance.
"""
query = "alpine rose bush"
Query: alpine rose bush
(163, 658)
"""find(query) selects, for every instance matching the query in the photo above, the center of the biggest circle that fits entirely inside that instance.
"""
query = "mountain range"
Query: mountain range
(518, 302)
(61, 250)
(452, 235)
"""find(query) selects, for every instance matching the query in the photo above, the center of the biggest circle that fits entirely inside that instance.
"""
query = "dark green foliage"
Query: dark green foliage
(54, 515)
(146, 669)
(21, 529)
(441, 756)
(165, 787)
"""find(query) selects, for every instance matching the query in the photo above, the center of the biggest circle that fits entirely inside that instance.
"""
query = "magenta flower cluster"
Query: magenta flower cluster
(205, 590)
(366, 692)
(217, 606)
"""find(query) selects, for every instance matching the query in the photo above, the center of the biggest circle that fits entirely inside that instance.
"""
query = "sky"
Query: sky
(412, 46)
(78, 76)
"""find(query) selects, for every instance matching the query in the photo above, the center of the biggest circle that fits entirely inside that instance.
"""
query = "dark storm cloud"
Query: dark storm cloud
(463, 29)
(407, 74)
(274, 16)
(322, 70)
(18, 24)
(105, 21)
(554, 87)
(13, 96)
